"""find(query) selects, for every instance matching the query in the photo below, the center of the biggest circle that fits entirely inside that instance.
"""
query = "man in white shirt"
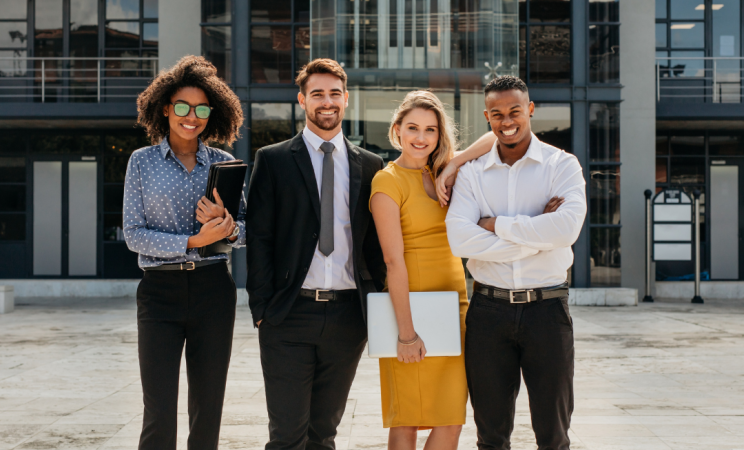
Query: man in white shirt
(519, 251)
(313, 256)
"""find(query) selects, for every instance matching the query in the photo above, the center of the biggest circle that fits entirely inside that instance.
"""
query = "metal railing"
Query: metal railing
(699, 79)
(71, 79)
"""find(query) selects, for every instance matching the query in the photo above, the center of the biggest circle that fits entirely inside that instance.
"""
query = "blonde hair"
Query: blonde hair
(447, 145)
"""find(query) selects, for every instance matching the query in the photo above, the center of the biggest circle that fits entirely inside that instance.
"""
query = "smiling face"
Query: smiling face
(190, 127)
(324, 101)
(509, 114)
(419, 133)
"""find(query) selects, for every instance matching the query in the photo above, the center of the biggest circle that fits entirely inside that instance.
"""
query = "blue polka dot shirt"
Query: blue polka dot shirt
(160, 203)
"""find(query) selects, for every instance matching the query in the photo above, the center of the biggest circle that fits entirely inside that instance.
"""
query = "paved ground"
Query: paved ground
(664, 376)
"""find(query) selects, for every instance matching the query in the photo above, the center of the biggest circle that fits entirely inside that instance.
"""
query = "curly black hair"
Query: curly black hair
(505, 83)
(191, 71)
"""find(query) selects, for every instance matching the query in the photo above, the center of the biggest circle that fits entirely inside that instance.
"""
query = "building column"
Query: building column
(637, 133)
(179, 32)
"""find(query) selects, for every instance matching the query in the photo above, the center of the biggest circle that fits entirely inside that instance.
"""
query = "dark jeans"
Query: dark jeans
(309, 362)
(196, 307)
(536, 338)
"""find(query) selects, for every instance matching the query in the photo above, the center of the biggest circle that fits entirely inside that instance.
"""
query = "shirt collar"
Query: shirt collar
(315, 141)
(534, 152)
(201, 153)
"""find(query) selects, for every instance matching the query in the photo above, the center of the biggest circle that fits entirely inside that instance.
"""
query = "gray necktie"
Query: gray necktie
(325, 244)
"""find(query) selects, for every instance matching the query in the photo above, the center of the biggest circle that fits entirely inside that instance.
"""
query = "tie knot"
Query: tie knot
(327, 147)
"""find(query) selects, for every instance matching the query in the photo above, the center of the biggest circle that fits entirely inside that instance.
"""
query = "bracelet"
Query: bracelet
(408, 342)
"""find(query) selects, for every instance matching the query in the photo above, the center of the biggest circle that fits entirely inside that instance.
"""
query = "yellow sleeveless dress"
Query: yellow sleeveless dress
(433, 392)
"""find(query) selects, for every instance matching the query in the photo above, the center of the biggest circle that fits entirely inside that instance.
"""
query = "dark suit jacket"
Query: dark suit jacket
(283, 224)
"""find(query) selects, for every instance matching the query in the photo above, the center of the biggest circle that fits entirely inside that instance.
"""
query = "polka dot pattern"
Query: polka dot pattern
(160, 201)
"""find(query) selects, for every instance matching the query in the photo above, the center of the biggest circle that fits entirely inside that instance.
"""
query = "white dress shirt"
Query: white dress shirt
(335, 271)
(529, 249)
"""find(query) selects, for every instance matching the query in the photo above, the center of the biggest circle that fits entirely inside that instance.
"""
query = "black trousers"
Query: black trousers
(309, 362)
(500, 341)
(196, 308)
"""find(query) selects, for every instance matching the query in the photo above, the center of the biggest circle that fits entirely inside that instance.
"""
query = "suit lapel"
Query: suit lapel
(355, 176)
(302, 157)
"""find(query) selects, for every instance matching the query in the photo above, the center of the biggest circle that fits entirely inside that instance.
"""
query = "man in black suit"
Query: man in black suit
(313, 256)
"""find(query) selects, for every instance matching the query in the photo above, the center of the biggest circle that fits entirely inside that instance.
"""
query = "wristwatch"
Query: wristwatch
(235, 233)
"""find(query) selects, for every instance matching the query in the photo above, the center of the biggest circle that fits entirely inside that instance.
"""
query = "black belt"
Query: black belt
(320, 295)
(521, 295)
(190, 265)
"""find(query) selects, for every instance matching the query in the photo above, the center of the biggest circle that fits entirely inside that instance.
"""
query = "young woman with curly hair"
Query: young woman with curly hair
(182, 298)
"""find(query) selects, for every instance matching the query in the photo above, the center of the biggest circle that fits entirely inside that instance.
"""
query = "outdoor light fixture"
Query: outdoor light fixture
(715, 6)
(683, 26)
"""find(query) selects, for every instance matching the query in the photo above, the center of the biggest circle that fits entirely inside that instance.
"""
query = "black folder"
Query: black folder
(228, 177)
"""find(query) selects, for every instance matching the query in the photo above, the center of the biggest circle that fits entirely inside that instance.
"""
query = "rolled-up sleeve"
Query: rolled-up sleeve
(138, 237)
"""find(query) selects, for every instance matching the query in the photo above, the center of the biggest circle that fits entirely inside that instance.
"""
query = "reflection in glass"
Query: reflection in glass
(271, 10)
(661, 170)
(426, 34)
(271, 54)
(302, 46)
(12, 198)
(552, 124)
(15, 9)
(688, 145)
(12, 227)
(550, 54)
(149, 34)
(661, 9)
(112, 227)
(12, 170)
(270, 123)
(150, 9)
(604, 195)
(15, 67)
(122, 9)
(13, 35)
(302, 11)
(83, 42)
(217, 48)
(684, 64)
(83, 12)
(688, 35)
(48, 33)
(217, 11)
(604, 54)
(605, 257)
(662, 145)
(48, 14)
(726, 146)
(661, 35)
(122, 34)
(299, 118)
(726, 43)
(687, 170)
(550, 10)
(687, 9)
(604, 11)
(604, 132)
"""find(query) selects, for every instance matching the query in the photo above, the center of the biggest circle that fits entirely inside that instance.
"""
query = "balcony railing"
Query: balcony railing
(699, 79)
(68, 80)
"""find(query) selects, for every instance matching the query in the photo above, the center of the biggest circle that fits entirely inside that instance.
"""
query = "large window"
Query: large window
(604, 41)
(545, 41)
(217, 35)
(13, 38)
(552, 124)
(131, 29)
(604, 193)
(280, 40)
(274, 122)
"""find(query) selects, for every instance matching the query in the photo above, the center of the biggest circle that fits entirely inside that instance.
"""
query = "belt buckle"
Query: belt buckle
(519, 291)
(193, 265)
(317, 293)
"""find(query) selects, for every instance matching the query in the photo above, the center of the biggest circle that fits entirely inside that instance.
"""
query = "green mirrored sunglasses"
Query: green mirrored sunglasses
(183, 110)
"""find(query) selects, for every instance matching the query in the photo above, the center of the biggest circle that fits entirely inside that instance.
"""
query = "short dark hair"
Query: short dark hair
(191, 71)
(320, 65)
(505, 83)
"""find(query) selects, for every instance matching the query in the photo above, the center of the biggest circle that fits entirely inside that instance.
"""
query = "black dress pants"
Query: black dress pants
(195, 307)
(309, 362)
(500, 341)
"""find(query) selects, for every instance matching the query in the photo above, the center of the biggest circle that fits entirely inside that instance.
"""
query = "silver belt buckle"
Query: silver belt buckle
(193, 265)
(317, 293)
(526, 291)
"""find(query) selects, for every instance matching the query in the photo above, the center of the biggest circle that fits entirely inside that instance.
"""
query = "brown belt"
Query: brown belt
(521, 295)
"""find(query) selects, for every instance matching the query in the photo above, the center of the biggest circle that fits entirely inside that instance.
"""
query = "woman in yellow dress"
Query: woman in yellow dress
(418, 392)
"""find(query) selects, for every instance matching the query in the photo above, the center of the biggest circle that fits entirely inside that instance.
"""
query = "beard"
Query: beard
(325, 124)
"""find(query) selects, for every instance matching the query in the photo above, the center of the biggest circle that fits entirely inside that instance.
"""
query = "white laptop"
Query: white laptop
(436, 318)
